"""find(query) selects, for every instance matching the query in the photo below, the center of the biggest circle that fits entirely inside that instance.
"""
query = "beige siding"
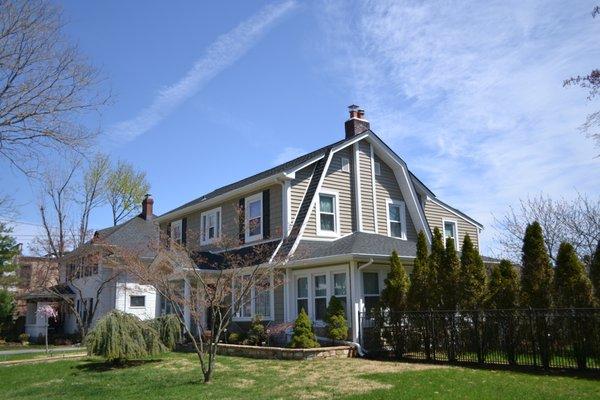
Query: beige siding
(366, 186)
(341, 182)
(435, 214)
(386, 187)
(230, 219)
(298, 189)
(279, 303)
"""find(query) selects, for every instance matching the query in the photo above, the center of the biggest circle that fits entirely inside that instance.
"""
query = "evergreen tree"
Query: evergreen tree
(436, 259)
(337, 326)
(472, 277)
(595, 272)
(119, 336)
(393, 296)
(503, 288)
(448, 277)
(7, 308)
(8, 251)
(536, 274)
(419, 296)
(572, 287)
(303, 336)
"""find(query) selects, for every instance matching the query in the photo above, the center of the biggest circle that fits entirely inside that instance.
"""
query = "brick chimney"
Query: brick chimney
(147, 204)
(357, 123)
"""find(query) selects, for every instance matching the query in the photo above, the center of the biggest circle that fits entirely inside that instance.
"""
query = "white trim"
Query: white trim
(373, 183)
(463, 217)
(357, 195)
(218, 227)
(402, 206)
(455, 222)
(287, 206)
(345, 161)
(292, 172)
(251, 199)
(336, 213)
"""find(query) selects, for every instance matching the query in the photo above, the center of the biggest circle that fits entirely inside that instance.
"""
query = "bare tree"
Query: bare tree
(575, 221)
(93, 193)
(590, 82)
(45, 84)
(125, 190)
(206, 292)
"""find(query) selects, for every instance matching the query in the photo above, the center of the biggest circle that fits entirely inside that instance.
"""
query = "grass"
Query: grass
(177, 376)
(30, 356)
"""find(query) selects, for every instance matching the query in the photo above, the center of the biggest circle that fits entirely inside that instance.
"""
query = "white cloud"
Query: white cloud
(288, 154)
(223, 52)
(470, 93)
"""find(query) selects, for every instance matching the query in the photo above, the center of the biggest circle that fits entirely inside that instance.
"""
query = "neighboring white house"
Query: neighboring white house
(96, 287)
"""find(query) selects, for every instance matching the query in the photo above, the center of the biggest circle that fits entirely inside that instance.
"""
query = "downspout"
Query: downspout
(357, 345)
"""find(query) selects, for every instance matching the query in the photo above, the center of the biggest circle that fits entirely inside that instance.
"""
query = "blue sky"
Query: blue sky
(469, 94)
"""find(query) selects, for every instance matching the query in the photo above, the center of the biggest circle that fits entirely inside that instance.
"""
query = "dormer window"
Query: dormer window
(176, 232)
(210, 227)
(254, 217)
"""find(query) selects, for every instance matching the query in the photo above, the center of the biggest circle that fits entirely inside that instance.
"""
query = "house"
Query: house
(334, 214)
(94, 286)
(33, 273)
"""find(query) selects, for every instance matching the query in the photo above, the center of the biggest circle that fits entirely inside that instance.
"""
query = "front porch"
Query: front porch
(36, 324)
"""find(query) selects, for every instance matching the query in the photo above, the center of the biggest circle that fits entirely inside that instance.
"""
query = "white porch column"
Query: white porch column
(355, 301)
(186, 309)
(288, 293)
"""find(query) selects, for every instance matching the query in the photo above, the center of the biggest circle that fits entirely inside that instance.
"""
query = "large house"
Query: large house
(334, 215)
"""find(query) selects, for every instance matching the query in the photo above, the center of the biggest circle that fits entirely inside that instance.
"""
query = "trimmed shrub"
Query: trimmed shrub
(419, 296)
(235, 338)
(168, 328)
(448, 277)
(572, 287)
(119, 336)
(303, 336)
(337, 326)
(472, 277)
(436, 259)
(257, 334)
(393, 296)
(536, 274)
(503, 288)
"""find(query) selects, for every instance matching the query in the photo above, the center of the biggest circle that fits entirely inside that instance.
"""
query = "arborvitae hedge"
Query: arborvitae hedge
(436, 259)
(536, 273)
(472, 277)
(337, 326)
(503, 288)
(572, 287)
(419, 296)
(595, 272)
(393, 295)
(448, 277)
(119, 336)
(303, 336)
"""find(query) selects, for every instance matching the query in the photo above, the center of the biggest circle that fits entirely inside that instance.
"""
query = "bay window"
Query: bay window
(314, 290)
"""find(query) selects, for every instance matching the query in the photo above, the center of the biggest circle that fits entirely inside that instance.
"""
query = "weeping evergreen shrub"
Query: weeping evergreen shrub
(119, 336)
(168, 328)
(303, 336)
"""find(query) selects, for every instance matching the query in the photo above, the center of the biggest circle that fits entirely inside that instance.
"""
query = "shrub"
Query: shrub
(235, 338)
(595, 272)
(472, 276)
(435, 268)
(448, 277)
(419, 296)
(503, 288)
(168, 328)
(24, 338)
(393, 296)
(337, 326)
(572, 287)
(7, 308)
(119, 336)
(536, 274)
(303, 336)
(257, 334)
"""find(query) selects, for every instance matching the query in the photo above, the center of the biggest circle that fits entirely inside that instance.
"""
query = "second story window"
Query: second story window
(328, 221)
(377, 167)
(254, 217)
(176, 234)
(210, 226)
(451, 231)
(396, 219)
(345, 164)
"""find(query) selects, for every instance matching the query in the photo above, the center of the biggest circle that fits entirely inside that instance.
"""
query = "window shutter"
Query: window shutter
(242, 219)
(266, 211)
(183, 231)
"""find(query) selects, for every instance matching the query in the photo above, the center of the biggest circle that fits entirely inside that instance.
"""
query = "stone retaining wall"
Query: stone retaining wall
(283, 353)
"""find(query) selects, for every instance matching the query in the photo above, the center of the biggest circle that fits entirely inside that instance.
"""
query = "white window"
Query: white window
(313, 292)
(254, 217)
(377, 168)
(371, 290)
(320, 297)
(137, 301)
(328, 214)
(210, 226)
(396, 214)
(451, 231)
(345, 164)
(339, 289)
(302, 294)
(258, 298)
(176, 234)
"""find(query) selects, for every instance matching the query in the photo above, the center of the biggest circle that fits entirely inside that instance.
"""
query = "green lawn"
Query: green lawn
(28, 356)
(175, 376)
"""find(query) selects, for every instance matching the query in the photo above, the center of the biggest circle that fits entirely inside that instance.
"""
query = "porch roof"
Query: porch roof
(55, 292)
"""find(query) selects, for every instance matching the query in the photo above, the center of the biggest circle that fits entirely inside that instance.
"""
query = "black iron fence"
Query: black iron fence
(539, 338)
